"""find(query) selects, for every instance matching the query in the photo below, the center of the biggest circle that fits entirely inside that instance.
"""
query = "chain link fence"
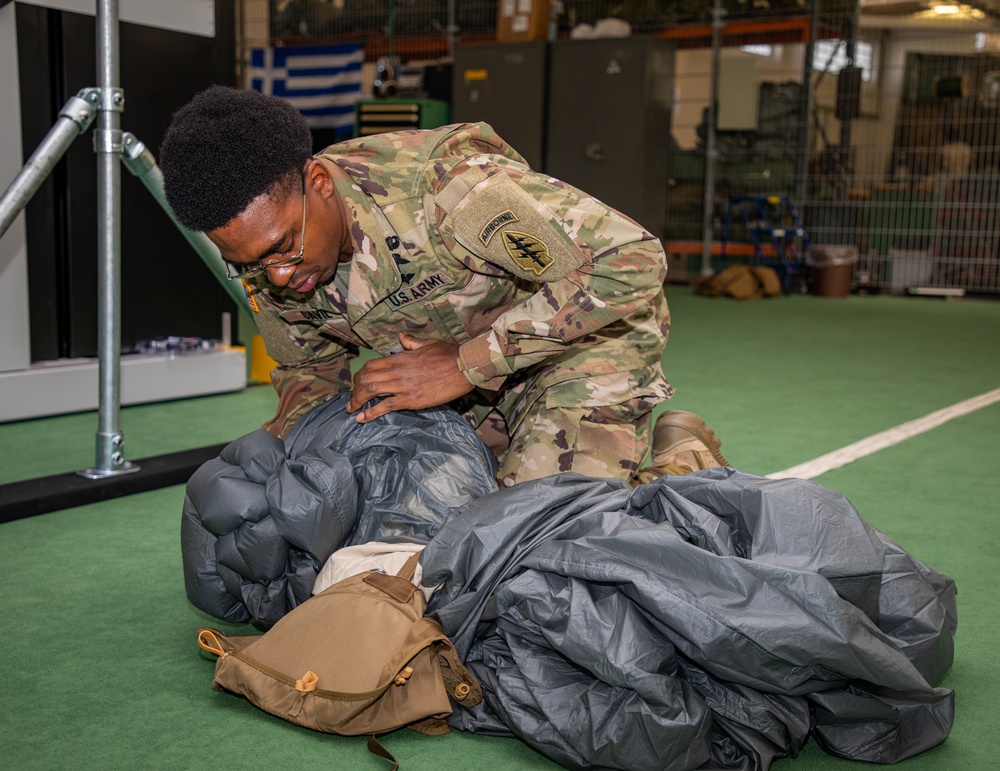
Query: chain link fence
(876, 123)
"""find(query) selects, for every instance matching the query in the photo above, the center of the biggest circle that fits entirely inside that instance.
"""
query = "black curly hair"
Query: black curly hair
(226, 147)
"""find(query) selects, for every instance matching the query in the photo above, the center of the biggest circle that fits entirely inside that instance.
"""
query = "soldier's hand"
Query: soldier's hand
(424, 374)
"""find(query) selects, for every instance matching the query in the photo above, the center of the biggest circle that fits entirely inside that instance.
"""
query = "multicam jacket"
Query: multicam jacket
(544, 289)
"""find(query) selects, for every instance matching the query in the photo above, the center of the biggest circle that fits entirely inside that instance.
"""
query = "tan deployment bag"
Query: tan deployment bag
(358, 658)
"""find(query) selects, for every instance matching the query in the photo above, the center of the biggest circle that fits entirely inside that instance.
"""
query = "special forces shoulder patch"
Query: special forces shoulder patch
(503, 224)
(527, 252)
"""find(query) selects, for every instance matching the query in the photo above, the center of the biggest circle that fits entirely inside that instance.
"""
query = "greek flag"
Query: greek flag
(323, 82)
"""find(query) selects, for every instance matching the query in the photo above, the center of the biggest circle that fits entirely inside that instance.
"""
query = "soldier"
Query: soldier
(534, 309)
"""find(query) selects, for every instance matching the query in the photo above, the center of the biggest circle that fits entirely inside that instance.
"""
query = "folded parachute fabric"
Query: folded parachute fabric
(712, 620)
(716, 619)
(260, 520)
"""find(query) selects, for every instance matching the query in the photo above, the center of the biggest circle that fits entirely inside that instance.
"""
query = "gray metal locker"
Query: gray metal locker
(609, 122)
(504, 85)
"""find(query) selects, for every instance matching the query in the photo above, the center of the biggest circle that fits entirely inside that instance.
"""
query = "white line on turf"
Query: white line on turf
(875, 442)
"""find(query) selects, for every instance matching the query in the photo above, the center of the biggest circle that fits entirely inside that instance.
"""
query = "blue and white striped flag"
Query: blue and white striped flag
(322, 82)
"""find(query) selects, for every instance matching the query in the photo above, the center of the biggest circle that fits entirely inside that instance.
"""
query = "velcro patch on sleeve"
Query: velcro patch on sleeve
(277, 339)
(500, 222)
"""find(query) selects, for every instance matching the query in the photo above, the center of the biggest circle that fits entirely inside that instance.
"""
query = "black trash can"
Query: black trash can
(832, 267)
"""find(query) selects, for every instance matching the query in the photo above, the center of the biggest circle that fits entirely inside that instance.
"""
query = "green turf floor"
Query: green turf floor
(101, 671)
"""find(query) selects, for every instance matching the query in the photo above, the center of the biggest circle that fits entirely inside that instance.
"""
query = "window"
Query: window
(831, 56)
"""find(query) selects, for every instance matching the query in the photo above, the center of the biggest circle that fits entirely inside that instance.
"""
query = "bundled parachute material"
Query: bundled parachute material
(715, 618)
(261, 519)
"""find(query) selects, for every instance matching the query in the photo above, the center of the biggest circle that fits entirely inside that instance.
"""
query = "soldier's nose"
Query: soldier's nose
(280, 275)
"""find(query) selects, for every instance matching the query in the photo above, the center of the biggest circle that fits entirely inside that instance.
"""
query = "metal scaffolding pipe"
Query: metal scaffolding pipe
(106, 102)
(108, 144)
(74, 119)
(806, 99)
(711, 150)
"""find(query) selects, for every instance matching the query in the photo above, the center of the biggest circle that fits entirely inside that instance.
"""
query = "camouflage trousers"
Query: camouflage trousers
(607, 441)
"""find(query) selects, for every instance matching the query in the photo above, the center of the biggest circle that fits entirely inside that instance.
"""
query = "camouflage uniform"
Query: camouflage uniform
(554, 299)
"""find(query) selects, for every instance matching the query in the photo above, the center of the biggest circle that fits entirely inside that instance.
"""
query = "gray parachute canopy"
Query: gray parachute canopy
(261, 519)
(707, 621)
(712, 620)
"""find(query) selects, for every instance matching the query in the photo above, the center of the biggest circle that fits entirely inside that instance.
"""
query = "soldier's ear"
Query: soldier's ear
(318, 177)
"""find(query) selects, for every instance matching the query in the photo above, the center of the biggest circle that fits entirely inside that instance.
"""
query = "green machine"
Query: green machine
(376, 116)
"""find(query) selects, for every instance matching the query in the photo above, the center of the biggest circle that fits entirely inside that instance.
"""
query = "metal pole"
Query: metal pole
(711, 152)
(392, 28)
(452, 28)
(805, 110)
(108, 144)
(847, 104)
(74, 119)
(140, 161)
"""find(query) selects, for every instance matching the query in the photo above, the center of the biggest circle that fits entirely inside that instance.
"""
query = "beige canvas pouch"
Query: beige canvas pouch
(358, 658)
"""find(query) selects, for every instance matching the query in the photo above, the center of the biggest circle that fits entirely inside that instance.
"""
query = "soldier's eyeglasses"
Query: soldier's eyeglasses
(241, 270)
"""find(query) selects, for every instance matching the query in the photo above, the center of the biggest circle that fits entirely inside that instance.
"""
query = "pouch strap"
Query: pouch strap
(410, 566)
(375, 748)
(208, 641)
(398, 588)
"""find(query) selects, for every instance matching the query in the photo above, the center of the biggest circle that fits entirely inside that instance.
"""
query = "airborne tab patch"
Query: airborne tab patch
(527, 251)
(495, 224)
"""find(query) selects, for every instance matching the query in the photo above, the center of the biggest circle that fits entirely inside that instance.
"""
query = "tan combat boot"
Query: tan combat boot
(682, 443)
